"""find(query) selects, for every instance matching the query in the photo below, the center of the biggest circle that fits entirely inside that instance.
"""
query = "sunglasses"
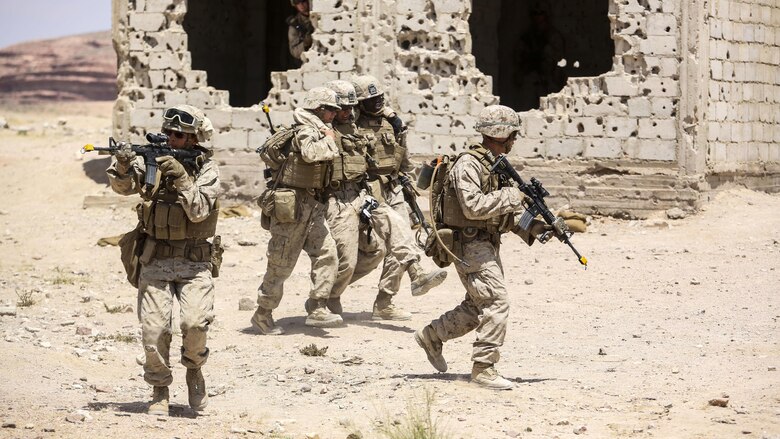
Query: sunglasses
(185, 119)
(175, 134)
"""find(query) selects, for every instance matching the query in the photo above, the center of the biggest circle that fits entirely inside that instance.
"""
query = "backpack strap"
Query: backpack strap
(484, 156)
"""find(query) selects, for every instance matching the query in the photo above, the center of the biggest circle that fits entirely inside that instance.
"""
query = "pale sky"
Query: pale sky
(25, 20)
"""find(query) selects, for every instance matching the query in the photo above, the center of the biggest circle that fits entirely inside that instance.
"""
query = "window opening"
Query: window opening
(239, 43)
(530, 48)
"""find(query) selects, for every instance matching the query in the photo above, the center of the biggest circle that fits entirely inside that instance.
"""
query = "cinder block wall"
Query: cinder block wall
(638, 138)
(743, 111)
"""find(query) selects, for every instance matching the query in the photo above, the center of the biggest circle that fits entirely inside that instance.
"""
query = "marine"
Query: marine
(348, 193)
(176, 220)
(387, 158)
(295, 200)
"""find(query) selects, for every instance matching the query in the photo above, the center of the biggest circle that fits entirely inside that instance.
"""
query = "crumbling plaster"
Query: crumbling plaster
(692, 96)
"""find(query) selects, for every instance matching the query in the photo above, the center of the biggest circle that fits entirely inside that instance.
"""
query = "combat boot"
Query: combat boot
(264, 322)
(487, 376)
(422, 280)
(384, 309)
(433, 346)
(196, 390)
(333, 304)
(159, 404)
(321, 317)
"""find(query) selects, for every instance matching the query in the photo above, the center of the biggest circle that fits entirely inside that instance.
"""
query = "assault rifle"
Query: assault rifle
(535, 194)
(417, 217)
(157, 147)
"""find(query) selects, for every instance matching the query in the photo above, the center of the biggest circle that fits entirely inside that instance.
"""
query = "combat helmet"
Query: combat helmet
(320, 97)
(367, 87)
(188, 119)
(497, 121)
(345, 92)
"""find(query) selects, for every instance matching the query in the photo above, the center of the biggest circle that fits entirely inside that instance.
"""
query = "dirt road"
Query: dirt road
(670, 315)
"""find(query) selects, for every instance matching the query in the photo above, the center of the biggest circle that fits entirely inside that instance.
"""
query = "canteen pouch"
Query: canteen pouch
(285, 208)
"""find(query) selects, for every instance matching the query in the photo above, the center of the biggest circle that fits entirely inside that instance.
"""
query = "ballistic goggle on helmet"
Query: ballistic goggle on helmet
(497, 121)
(367, 87)
(345, 92)
(188, 119)
(321, 97)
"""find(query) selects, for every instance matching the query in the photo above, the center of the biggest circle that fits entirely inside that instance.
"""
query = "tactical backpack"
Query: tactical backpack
(274, 151)
(286, 165)
(444, 245)
(441, 236)
(440, 179)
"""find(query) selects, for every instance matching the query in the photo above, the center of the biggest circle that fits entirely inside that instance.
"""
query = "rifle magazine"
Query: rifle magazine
(526, 219)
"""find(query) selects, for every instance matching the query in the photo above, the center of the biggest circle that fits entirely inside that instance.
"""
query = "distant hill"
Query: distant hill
(73, 68)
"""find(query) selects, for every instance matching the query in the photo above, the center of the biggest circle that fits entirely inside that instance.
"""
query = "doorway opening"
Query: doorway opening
(239, 43)
(530, 48)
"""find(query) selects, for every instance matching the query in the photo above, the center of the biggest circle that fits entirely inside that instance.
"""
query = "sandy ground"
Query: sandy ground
(670, 315)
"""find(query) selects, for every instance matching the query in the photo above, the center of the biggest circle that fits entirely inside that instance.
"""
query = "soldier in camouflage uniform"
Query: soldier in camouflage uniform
(305, 175)
(299, 30)
(479, 208)
(346, 195)
(177, 216)
(387, 158)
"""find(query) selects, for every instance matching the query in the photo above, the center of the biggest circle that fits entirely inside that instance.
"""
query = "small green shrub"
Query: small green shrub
(313, 351)
(25, 298)
(418, 424)
(62, 278)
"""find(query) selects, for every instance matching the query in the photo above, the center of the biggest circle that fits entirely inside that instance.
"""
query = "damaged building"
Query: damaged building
(626, 106)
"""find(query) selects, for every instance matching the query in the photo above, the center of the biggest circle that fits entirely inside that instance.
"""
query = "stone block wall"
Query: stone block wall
(627, 113)
(743, 111)
(629, 141)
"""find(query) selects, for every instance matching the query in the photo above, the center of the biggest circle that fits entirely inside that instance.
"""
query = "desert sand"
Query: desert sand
(672, 331)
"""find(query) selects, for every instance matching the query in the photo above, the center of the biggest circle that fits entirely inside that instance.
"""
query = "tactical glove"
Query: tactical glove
(392, 118)
(124, 156)
(170, 167)
(398, 125)
(538, 227)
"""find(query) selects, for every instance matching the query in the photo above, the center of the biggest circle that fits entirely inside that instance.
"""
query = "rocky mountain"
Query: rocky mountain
(73, 68)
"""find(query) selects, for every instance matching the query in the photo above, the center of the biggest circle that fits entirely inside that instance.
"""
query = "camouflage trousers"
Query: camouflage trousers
(392, 225)
(160, 281)
(391, 241)
(310, 234)
(485, 309)
(344, 223)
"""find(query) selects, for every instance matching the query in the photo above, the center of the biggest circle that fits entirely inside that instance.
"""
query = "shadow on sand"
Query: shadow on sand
(295, 325)
(95, 169)
(464, 377)
(136, 407)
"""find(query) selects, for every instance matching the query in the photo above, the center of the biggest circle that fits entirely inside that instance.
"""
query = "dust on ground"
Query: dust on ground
(670, 315)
